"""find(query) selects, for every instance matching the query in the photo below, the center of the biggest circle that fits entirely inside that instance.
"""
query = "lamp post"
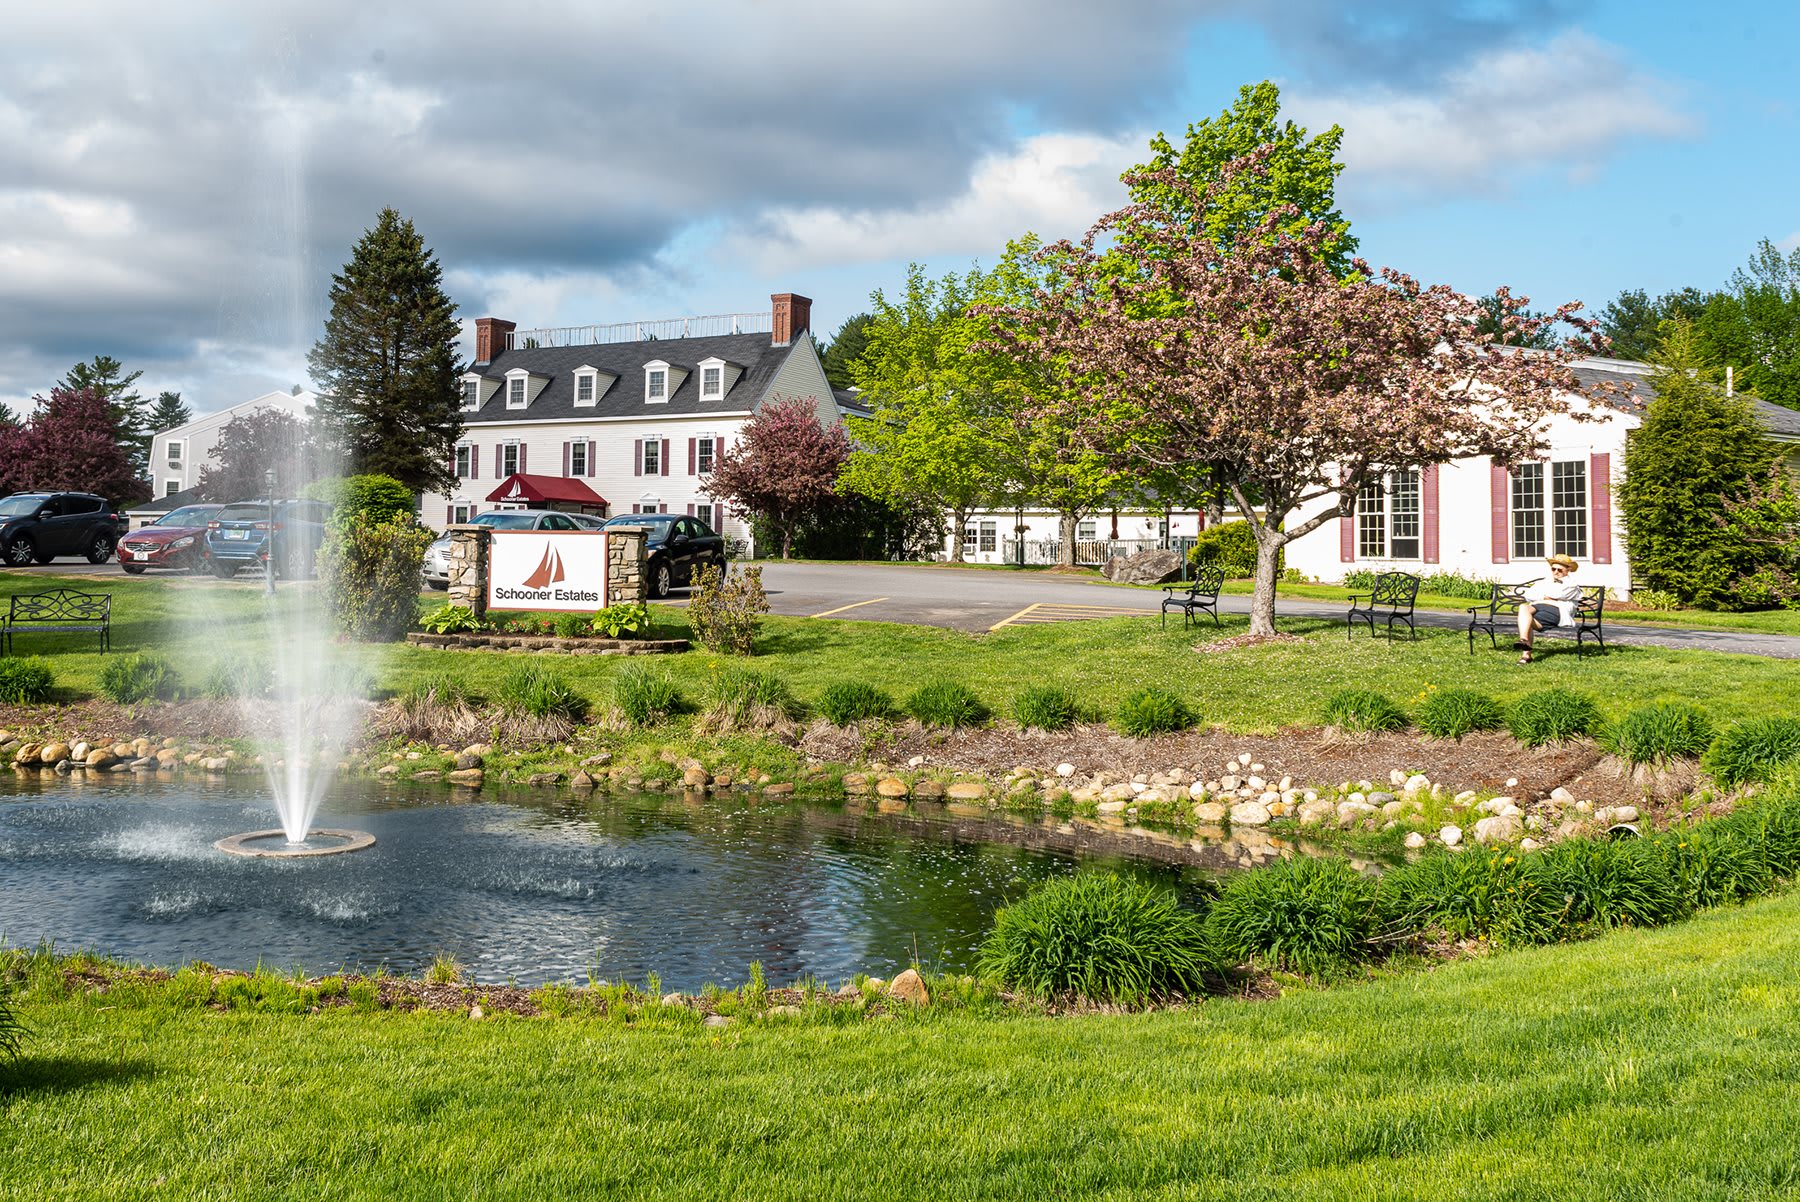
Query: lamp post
(269, 543)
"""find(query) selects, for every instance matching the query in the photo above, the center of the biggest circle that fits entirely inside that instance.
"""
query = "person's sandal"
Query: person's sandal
(1526, 658)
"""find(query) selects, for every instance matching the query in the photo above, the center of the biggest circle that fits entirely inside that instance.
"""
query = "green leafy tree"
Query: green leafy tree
(107, 379)
(167, 412)
(8, 419)
(1696, 451)
(847, 346)
(1632, 322)
(387, 366)
(1764, 299)
(1302, 172)
(1508, 329)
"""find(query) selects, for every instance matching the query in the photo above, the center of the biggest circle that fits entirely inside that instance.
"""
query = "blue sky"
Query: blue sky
(182, 182)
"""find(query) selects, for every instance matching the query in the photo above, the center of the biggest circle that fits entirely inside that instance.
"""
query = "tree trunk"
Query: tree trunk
(960, 520)
(1065, 537)
(1262, 600)
(787, 542)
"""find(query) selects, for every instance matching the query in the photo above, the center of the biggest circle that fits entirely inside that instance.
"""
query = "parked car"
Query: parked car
(436, 568)
(675, 548)
(238, 536)
(176, 540)
(36, 527)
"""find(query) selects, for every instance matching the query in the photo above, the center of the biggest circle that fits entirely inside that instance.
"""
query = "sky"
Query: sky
(181, 181)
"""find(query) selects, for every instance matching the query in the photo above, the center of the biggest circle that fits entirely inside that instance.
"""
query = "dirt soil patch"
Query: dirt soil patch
(93, 720)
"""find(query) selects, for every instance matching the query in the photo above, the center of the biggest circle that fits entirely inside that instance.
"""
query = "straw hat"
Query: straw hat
(1562, 561)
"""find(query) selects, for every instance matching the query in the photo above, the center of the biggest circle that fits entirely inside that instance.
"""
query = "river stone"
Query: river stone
(778, 789)
(1450, 836)
(465, 776)
(855, 782)
(1561, 794)
(909, 987)
(124, 751)
(142, 747)
(388, 770)
(581, 780)
(465, 761)
(1155, 566)
(1111, 807)
(52, 752)
(967, 790)
(1250, 813)
(891, 786)
(1209, 811)
(1415, 841)
(929, 788)
(1314, 812)
(99, 757)
(543, 778)
(1497, 829)
(694, 778)
(1352, 811)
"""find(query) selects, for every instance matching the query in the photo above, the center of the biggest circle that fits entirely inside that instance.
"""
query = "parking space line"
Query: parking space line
(1014, 618)
(854, 605)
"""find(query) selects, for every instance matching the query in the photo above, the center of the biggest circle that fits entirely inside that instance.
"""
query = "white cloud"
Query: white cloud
(1791, 242)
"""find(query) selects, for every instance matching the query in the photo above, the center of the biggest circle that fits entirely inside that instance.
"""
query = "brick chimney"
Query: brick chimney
(490, 337)
(792, 315)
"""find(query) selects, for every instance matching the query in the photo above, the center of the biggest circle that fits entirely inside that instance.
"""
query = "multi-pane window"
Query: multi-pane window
(656, 385)
(971, 535)
(460, 514)
(1087, 532)
(515, 393)
(174, 451)
(1371, 521)
(578, 465)
(471, 394)
(704, 511)
(464, 453)
(990, 536)
(1556, 523)
(171, 487)
(711, 381)
(584, 389)
(1389, 522)
(653, 457)
(703, 455)
(509, 458)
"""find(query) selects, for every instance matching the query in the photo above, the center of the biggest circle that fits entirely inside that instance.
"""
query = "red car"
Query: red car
(175, 540)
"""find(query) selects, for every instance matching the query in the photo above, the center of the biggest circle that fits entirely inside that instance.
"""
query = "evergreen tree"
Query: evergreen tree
(387, 366)
(106, 378)
(1697, 452)
(168, 412)
(847, 347)
(8, 419)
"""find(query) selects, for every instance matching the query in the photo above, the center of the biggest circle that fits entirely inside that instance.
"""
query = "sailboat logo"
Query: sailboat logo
(549, 570)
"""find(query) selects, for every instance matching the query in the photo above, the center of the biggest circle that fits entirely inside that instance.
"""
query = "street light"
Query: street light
(269, 543)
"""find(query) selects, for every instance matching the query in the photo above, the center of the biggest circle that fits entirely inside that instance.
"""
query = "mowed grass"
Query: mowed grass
(1256, 689)
(1658, 1064)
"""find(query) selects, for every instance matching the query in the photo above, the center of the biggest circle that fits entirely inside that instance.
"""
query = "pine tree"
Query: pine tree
(387, 366)
(106, 378)
(848, 346)
(168, 412)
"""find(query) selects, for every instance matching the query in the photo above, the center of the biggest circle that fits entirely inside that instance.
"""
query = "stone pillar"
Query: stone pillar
(469, 567)
(625, 578)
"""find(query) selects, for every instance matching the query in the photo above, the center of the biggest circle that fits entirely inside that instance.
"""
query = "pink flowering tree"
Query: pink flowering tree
(1252, 363)
(783, 467)
(70, 441)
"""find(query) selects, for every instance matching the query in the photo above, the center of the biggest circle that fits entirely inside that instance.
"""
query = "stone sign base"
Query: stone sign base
(545, 642)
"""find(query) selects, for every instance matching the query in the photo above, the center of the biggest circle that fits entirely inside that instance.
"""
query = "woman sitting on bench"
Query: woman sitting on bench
(1549, 604)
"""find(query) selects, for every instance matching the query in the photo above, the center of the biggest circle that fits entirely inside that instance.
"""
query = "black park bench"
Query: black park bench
(1500, 616)
(62, 609)
(1202, 594)
(1392, 598)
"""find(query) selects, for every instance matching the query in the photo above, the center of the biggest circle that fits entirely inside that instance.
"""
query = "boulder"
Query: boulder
(1111, 807)
(53, 752)
(694, 778)
(909, 987)
(100, 757)
(1497, 828)
(466, 776)
(966, 790)
(467, 760)
(1065, 770)
(1415, 841)
(1210, 811)
(779, 789)
(1155, 566)
(1450, 836)
(1319, 809)
(1349, 813)
(891, 786)
(581, 780)
(1250, 813)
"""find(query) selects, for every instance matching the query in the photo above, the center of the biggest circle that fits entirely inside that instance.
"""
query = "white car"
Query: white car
(436, 568)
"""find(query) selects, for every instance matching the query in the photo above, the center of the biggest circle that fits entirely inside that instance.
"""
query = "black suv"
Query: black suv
(36, 527)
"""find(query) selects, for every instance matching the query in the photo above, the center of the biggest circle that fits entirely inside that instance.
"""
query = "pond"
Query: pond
(535, 887)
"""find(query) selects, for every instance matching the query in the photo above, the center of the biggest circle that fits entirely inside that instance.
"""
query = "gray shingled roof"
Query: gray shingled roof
(1779, 421)
(626, 360)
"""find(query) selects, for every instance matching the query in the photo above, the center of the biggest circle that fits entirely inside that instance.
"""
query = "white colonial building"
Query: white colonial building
(176, 456)
(623, 419)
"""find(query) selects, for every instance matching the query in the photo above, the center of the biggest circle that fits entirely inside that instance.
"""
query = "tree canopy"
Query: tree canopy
(387, 366)
(846, 348)
(783, 467)
(107, 379)
(70, 441)
(168, 411)
(250, 446)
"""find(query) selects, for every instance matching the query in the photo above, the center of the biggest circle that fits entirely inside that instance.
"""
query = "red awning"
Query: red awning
(520, 488)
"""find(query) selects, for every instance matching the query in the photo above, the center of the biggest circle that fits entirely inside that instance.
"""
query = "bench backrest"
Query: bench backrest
(1209, 578)
(1593, 601)
(1395, 588)
(60, 605)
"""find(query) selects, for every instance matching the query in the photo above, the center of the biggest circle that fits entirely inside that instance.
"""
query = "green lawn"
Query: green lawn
(1658, 1064)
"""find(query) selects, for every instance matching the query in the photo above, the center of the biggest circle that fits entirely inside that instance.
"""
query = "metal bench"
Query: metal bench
(62, 609)
(1392, 598)
(1202, 593)
(1500, 616)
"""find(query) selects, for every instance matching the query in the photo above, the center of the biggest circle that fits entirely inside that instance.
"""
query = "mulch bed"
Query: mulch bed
(91, 720)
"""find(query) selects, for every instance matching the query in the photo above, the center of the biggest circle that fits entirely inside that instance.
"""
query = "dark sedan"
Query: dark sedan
(238, 537)
(676, 547)
(176, 540)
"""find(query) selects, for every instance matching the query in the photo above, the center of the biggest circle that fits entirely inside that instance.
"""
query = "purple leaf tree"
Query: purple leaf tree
(71, 441)
(783, 466)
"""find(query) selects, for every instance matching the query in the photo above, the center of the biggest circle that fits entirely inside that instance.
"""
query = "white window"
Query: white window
(471, 398)
(174, 452)
(704, 511)
(1552, 520)
(1087, 532)
(705, 448)
(1569, 508)
(971, 533)
(650, 505)
(578, 457)
(990, 535)
(712, 382)
(464, 456)
(652, 458)
(584, 388)
(509, 458)
(460, 514)
(656, 385)
(171, 487)
(515, 393)
(1389, 524)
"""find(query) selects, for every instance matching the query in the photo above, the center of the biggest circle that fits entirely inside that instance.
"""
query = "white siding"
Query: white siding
(201, 435)
(802, 377)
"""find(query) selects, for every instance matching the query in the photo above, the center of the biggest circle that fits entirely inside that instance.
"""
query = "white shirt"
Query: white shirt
(1565, 594)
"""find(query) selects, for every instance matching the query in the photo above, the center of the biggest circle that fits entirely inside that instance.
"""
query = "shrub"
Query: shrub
(1154, 711)
(1098, 936)
(1751, 751)
(1500, 894)
(1611, 884)
(25, 681)
(1453, 713)
(572, 626)
(1363, 712)
(140, 676)
(852, 700)
(358, 500)
(741, 698)
(439, 688)
(946, 703)
(1717, 863)
(1450, 584)
(725, 608)
(1655, 598)
(646, 696)
(540, 691)
(1656, 734)
(1230, 545)
(1553, 716)
(623, 620)
(1045, 707)
(241, 677)
(1305, 914)
(450, 619)
(12, 1031)
(369, 572)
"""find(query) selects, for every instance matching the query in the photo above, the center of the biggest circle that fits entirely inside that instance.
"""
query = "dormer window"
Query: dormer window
(471, 396)
(584, 388)
(523, 387)
(712, 383)
(656, 382)
(515, 393)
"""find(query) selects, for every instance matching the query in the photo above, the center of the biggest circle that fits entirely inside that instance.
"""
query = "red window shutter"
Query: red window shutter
(474, 462)
(665, 457)
(565, 459)
(692, 443)
(637, 461)
(590, 457)
(1600, 499)
(1500, 501)
(1428, 503)
(690, 507)
(449, 515)
(1346, 536)
(499, 470)
(662, 509)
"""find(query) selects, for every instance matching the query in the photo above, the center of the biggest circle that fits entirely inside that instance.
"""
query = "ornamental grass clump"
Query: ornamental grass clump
(25, 681)
(1500, 894)
(1553, 716)
(12, 1031)
(946, 703)
(739, 699)
(141, 676)
(540, 691)
(1751, 752)
(1101, 937)
(854, 700)
(1617, 883)
(1306, 915)
(1718, 863)
(1154, 711)
(1654, 735)
(1362, 711)
(1453, 713)
(1045, 707)
(646, 696)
